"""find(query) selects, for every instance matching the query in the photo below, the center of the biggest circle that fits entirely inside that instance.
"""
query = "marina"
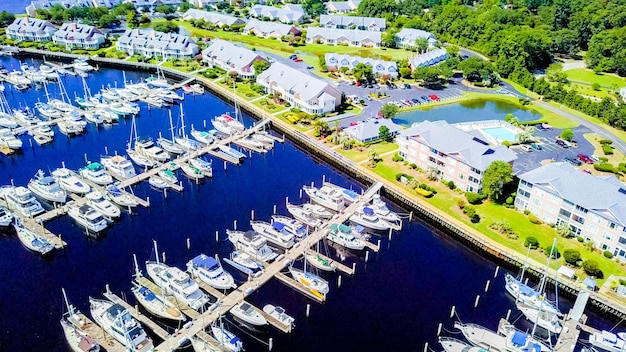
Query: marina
(133, 232)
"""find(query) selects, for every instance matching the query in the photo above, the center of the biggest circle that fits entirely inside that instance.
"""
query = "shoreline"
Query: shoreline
(438, 221)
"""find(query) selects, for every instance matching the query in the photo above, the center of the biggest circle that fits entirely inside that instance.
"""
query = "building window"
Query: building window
(565, 213)
(578, 219)
(612, 225)
(622, 240)
(581, 209)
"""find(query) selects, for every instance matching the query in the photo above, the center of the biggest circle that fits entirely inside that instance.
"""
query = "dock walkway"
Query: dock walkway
(144, 319)
(84, 324)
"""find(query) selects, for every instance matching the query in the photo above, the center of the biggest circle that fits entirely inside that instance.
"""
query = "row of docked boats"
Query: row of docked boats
(30, 75)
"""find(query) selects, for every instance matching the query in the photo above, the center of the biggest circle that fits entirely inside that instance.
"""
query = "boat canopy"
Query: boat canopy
(350, 194)
(250, 235)
(279, 226)
(368, 211)
(519, 338)
(94, 166)
(526, 291)
(204, 261)
(147, 294)
(359, 229)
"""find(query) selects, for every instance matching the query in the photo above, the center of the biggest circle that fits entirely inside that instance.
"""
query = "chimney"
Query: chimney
(153, 35)
(74, 27)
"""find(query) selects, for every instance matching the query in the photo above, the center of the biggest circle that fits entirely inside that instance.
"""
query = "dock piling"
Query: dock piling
(224, 164)
(411, 216)
(487, 285)
(439, 329)
(106, 150)
(63, 164)
(339, 281)
(235, 224)
(476, 301)
(508, 314)
(188, 244)
(163, 257)
(323, 179)
(300, 193)
(217, 236)
(308, 309)
(496, 273)
(452, 311)
(367, 255)
(274, 209)
(270, 344)
(353, 267)
(252, 214)
(390, 232)
(426, 347)
(165, 193)
(286, 200)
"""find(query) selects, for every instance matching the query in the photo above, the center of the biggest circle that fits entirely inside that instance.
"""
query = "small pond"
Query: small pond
(473, 110)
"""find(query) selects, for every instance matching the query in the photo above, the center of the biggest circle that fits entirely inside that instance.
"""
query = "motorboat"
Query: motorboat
(244, 263)
(342, 235)
(158, 182)
(94, 118)
(121, 109)
(263, 137)
(157, 82)
(7, 121)
(120, 197)
(89, 218)
(49, 72)
(103, 205)
(231, 152)
(365, 216)
(178, 283)
(46, 187)
(168, 175)
(8, 139)
(326, 196)
(96, 173)
(275, 233)
(167, 95)
(78, 340)
(187, 89)
(32, 241)
(82, 65)
(206, 166)
(507, 339)
(318, 210)
(380, 208)
(251, 143)
(118, 166)
(119, 323)
(210, 271)
(203, 137)
(6, 217)
(226, 339)
(319, 262)
(69, 182)
(191, 171)
(290, 225)
(227, 124)
(150, 150)
(247, 313)
(349, 196)
(19, 78)
(43, 129)
(606, 341)
(550, 321)
(198, 88)
(21, 200)
(314, 283)
(69, 129)
(450, 344)
(25, 117)
(304, 215)
(158, 306)
(140, 159)
(252, 243)
(46, 110)
(279, 314)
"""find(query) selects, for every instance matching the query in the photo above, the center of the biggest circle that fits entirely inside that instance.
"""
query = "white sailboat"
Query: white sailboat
(119, 197)
(182, 139)
(202, 164)
(135, 154)
(191, 171)
(227, 124)
(606, 341)
(507, 339)
(31, 240)
(76, 339)
(170, 145)
(305, 215)
(154, 304)
(312, 282)
(244, 263)
(227, 339)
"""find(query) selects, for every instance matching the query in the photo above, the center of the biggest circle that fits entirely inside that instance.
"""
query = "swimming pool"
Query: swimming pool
(500, 133)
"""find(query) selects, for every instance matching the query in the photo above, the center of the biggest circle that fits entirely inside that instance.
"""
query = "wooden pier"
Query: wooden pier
(84, 324)
(38, 228)
(210, 290)
(275, 322)
(211, 341)
(144, 319)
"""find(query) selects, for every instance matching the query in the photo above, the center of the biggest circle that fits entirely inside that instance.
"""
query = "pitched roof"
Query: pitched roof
(370, 129)
(31, 26)
(378, 66)
(604, 195)
(459, 144)
(411, 34)
(295, 81)
(155, 39)
(429, 58)
(268, 27)
(282, 14)
(236, 56)
(343, 6)
(349, 21)
(213, 17)
(352, 35)
(77, 31)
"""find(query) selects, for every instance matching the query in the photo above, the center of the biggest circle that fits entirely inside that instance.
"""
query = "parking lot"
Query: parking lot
(531, 159)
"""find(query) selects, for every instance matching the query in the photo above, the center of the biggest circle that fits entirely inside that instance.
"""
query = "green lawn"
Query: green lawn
(619, 133)
(588, 76)
(361, 154)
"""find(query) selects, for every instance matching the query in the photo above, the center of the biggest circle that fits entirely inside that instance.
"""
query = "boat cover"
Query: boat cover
(351, 194)
(527, 291)
(147, 294)
(204, 261)
(250, 235)
(94, 166)
(519, 338)
(359, 228)
(368, 211)
(279, 226)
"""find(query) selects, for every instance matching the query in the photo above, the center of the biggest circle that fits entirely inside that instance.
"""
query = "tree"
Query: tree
(405, 72)
(260, 66)
(314, 8)
(184, 6)
(565, 42)
(474, 68)
(497, 175)
(108, 20)
(373, 158)
(131, 19)
(567, 134)
(389, 110)
(389, 37)
(555, 73)
(384, 134)
(363, 72)
(320, 127)
(6, 18)
(377, 8)
(591, 267)
(563, 230)
(165, 9)
(166, 27)
(572, 257)
(421, 44)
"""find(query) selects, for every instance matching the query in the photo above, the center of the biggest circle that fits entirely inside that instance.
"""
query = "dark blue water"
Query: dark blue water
(14, 6)
(474, 110)
(394, 303)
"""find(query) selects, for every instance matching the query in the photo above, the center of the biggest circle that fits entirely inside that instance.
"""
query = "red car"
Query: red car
(297, 60)
(434, 97)
(585, 158)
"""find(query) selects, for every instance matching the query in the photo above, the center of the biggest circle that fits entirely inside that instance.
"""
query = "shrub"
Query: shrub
(572, 256)
(580, 239)
(606, 167)
(595, 86)
(470, 211)
(397, 158)
(474, 198)
(591, 268)
(533, 219)
(603, 159)
(413, 166)
(423, 192)
(526, 211)
(399, 176)
(461, 203)
(552, 251)
(608, 254)
(509, 200)
(506, 144)
(605, 141)
(607, 149)
(531, 242)
(451, 185)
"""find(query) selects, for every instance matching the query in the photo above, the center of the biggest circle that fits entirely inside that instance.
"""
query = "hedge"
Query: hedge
(607, 149)
(424, 192)
(605, 141)
(606, 167)
(474, 198)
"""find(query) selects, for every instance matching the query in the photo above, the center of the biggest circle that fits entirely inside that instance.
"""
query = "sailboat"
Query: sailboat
(76, 339)
(159, 81)
(227, 339)
(154, 304)
(137, 157)
(6, 120)
(182, 139)
(170, 145)
(86, 101)
(507, 339)
(318, 261)
(314, 283)
(226, 123)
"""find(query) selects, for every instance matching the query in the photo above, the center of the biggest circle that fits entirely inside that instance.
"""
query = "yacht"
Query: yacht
(117, 322)
(380, 208)
(245, 312)
(507, 339)
(158, 182)
(263, 137)
(103, 205)
(349, 196)
(227, 124)
(251, 143)
(43, 129)
(89, 218)
(203, 137)
(26, 117)
(46, 187)
(342, 235)
(320, 262)
(450, 344)
(33, 241)
(174, 281)
(69, 182)
(318, 210)
(210, 271)
(548, 320)
(314, 283)
(279, 314)
(7, 121)
(191, 171)
(157, 82)
(168, 175)
(275, 233)
(21, 200)
(169, 146)
(120, 198)
(147, 148)
(119, 167)
(69, 129)
(121, 109)
(243, 262)
(6, 218)
(365, 216)
(292, 226)
(140, 159)
(252, 243)
(96, 173)
(8, 139)
(197, 88)
(326, 196)
(527, 295)
(206, 166)
(82, 65)
(606, 341)
(76, 339)
(46, 110)
(304, 215)
(231, 152)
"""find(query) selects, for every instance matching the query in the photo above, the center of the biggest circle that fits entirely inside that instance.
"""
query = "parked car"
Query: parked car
(425, 98)
(297, 59)
(415, 101)
(407, 86)
(536, 146)
(309, 67)
(434, 97)
(525, 148)
(562, 143)
(368, 98)
(584, 158)
(573, 161)
(595, 157)
(293, 57)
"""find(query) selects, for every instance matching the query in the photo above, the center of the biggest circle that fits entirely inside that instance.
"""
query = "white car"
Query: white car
(595, 158)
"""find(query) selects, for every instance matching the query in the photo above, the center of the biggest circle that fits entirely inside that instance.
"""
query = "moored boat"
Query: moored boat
(119, 323)
(279, 314)
(96, 173)
(251, 243)
(46, 187)
(606, 341)
(248, 314)
(191, 171)
(507, 339)
(326, 196)
(21, 200)
(120, 197)
(314, 283)
(225, 338)
(102, 204)
(231, 152)
(6, 217)
(319, 262)
(76, 339)
(69, 182)
(118, 166)
(275, 233)
(202, 164)
(306, 216)
(342, 235)
(290, 225)
(243, 262)
(227, 124)
(89, 218)
(8, 139)
(32, 241)
(365, 216)
(178, 283)
(210, 271)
